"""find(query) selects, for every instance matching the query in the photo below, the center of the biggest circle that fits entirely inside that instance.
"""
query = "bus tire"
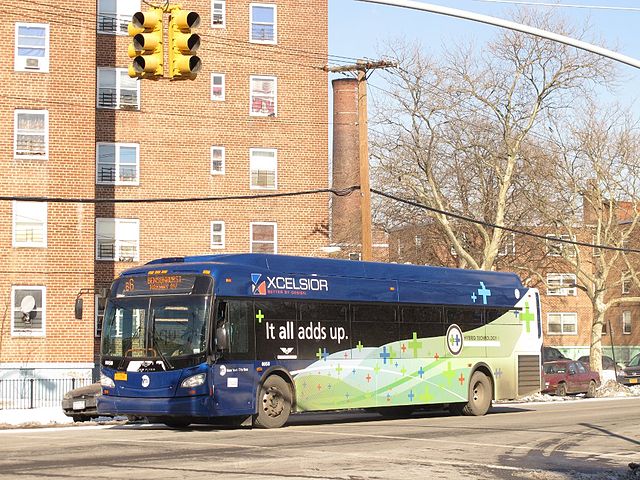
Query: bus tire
(274, 403)
(480, 395)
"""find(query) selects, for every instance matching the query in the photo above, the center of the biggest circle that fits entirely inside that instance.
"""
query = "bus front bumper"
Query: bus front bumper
(194, 406)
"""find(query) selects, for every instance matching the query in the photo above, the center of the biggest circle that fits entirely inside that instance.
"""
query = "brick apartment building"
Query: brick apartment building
(566, 310)
(74, 125)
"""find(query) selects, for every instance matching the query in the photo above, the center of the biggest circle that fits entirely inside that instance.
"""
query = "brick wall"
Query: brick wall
(175, 128)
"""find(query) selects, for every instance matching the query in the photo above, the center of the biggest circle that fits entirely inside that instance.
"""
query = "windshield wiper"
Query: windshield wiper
(155, 343)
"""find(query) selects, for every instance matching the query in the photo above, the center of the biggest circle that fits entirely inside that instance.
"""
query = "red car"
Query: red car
(562, 377)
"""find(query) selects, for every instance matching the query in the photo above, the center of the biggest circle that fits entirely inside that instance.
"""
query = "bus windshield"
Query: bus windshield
(151, 327)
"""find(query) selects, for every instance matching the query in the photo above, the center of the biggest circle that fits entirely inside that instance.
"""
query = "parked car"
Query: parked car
(552, 353)
(630, 374)
(563, 377)
(80, 403)
(607, 362)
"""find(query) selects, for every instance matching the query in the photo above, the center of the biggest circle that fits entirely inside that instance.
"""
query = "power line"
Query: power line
(563, 5)
(500, 227)
(340, 193)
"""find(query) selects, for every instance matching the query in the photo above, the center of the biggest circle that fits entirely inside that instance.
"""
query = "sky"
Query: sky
(359, 29)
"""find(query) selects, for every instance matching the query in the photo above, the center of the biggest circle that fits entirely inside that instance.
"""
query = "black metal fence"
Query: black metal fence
(24, 393)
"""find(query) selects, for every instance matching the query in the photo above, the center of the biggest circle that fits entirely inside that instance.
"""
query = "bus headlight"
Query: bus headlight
(194, 381)
(106, 381)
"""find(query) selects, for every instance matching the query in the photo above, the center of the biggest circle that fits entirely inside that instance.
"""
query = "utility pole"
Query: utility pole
(362, 67)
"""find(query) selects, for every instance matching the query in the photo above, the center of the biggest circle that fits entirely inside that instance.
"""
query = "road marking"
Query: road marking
(473, 444)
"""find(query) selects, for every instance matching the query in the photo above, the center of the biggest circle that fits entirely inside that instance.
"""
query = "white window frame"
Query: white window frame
(566, 318)
(17, 131)
(252, 94)
(42, 331)
(221, 233)
(21, 62)
(121, 17)
(275, 235)
(223, 159)
(508, 246)
(120, 73)
(560, 246)
(119, 243)
(560, 280)
(626, 321)
(117, 164)
(252, 152)
(98, 314)
(275, 23)
(219, 7)
(221, 97)
(40, 218)
(625, 282)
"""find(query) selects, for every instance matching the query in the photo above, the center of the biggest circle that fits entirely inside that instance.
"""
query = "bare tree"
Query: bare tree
(461, 134)
(596, 181)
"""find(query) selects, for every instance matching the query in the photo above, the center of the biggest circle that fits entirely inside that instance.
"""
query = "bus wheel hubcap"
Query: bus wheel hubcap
(272, 403)
(477, 392)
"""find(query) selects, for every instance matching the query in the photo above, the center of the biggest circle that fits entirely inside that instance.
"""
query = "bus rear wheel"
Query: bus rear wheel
(274, 403)
(480, 396)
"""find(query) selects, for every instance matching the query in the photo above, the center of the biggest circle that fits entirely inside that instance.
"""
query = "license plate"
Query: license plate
(633, 380)
(120, 376)
(79, 405)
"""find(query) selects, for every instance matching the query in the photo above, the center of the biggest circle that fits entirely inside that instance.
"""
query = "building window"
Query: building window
(32, 47)
(217, 160)
(626, 323)
(263, 23)
(263, 168)
(562, 323)
(217, 234)
(218, 13)
(508, 246)
(263, 96)
(264, 237)
(556, 248)
(117, 90)
(29, 224)
(115, 15)
(117, 164)
(28, 311)
(561, 284)
(117, 239)
(626, 282)
(31, 134)
(217, 87)
(100, 304)
(596, 250)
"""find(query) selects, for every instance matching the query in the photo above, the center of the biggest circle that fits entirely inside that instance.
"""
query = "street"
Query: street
(586, 439)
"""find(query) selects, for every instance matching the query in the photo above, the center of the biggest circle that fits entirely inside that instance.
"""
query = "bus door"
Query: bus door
(234, 374)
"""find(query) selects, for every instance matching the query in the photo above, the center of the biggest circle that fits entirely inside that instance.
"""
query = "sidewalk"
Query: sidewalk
(34, 416)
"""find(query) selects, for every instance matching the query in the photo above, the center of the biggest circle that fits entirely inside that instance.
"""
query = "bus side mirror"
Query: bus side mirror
(78, 308)
(222, 338)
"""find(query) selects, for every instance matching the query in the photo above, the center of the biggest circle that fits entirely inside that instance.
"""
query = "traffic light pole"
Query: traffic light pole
(362, 68)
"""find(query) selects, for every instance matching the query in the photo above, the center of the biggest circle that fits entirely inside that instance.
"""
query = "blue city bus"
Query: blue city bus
(252, 338)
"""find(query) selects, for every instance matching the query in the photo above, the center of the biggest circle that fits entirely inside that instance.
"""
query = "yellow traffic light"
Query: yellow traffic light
(183, 63)
(146, 47)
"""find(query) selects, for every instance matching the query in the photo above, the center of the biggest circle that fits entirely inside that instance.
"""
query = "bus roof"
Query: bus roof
(285, 276)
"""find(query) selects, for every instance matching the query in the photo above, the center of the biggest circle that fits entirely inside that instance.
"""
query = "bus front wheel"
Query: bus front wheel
(274, 403)
(480, 396)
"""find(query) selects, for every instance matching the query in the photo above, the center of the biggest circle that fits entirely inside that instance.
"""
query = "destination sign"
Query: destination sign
(155, 285)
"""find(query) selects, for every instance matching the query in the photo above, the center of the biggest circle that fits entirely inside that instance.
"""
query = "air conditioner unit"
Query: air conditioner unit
(32, 64)
(126, 259)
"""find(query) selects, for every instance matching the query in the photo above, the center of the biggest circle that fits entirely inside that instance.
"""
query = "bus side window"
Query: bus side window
(374, 325)
(238, 324)
(425, 321)
(466, 318)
